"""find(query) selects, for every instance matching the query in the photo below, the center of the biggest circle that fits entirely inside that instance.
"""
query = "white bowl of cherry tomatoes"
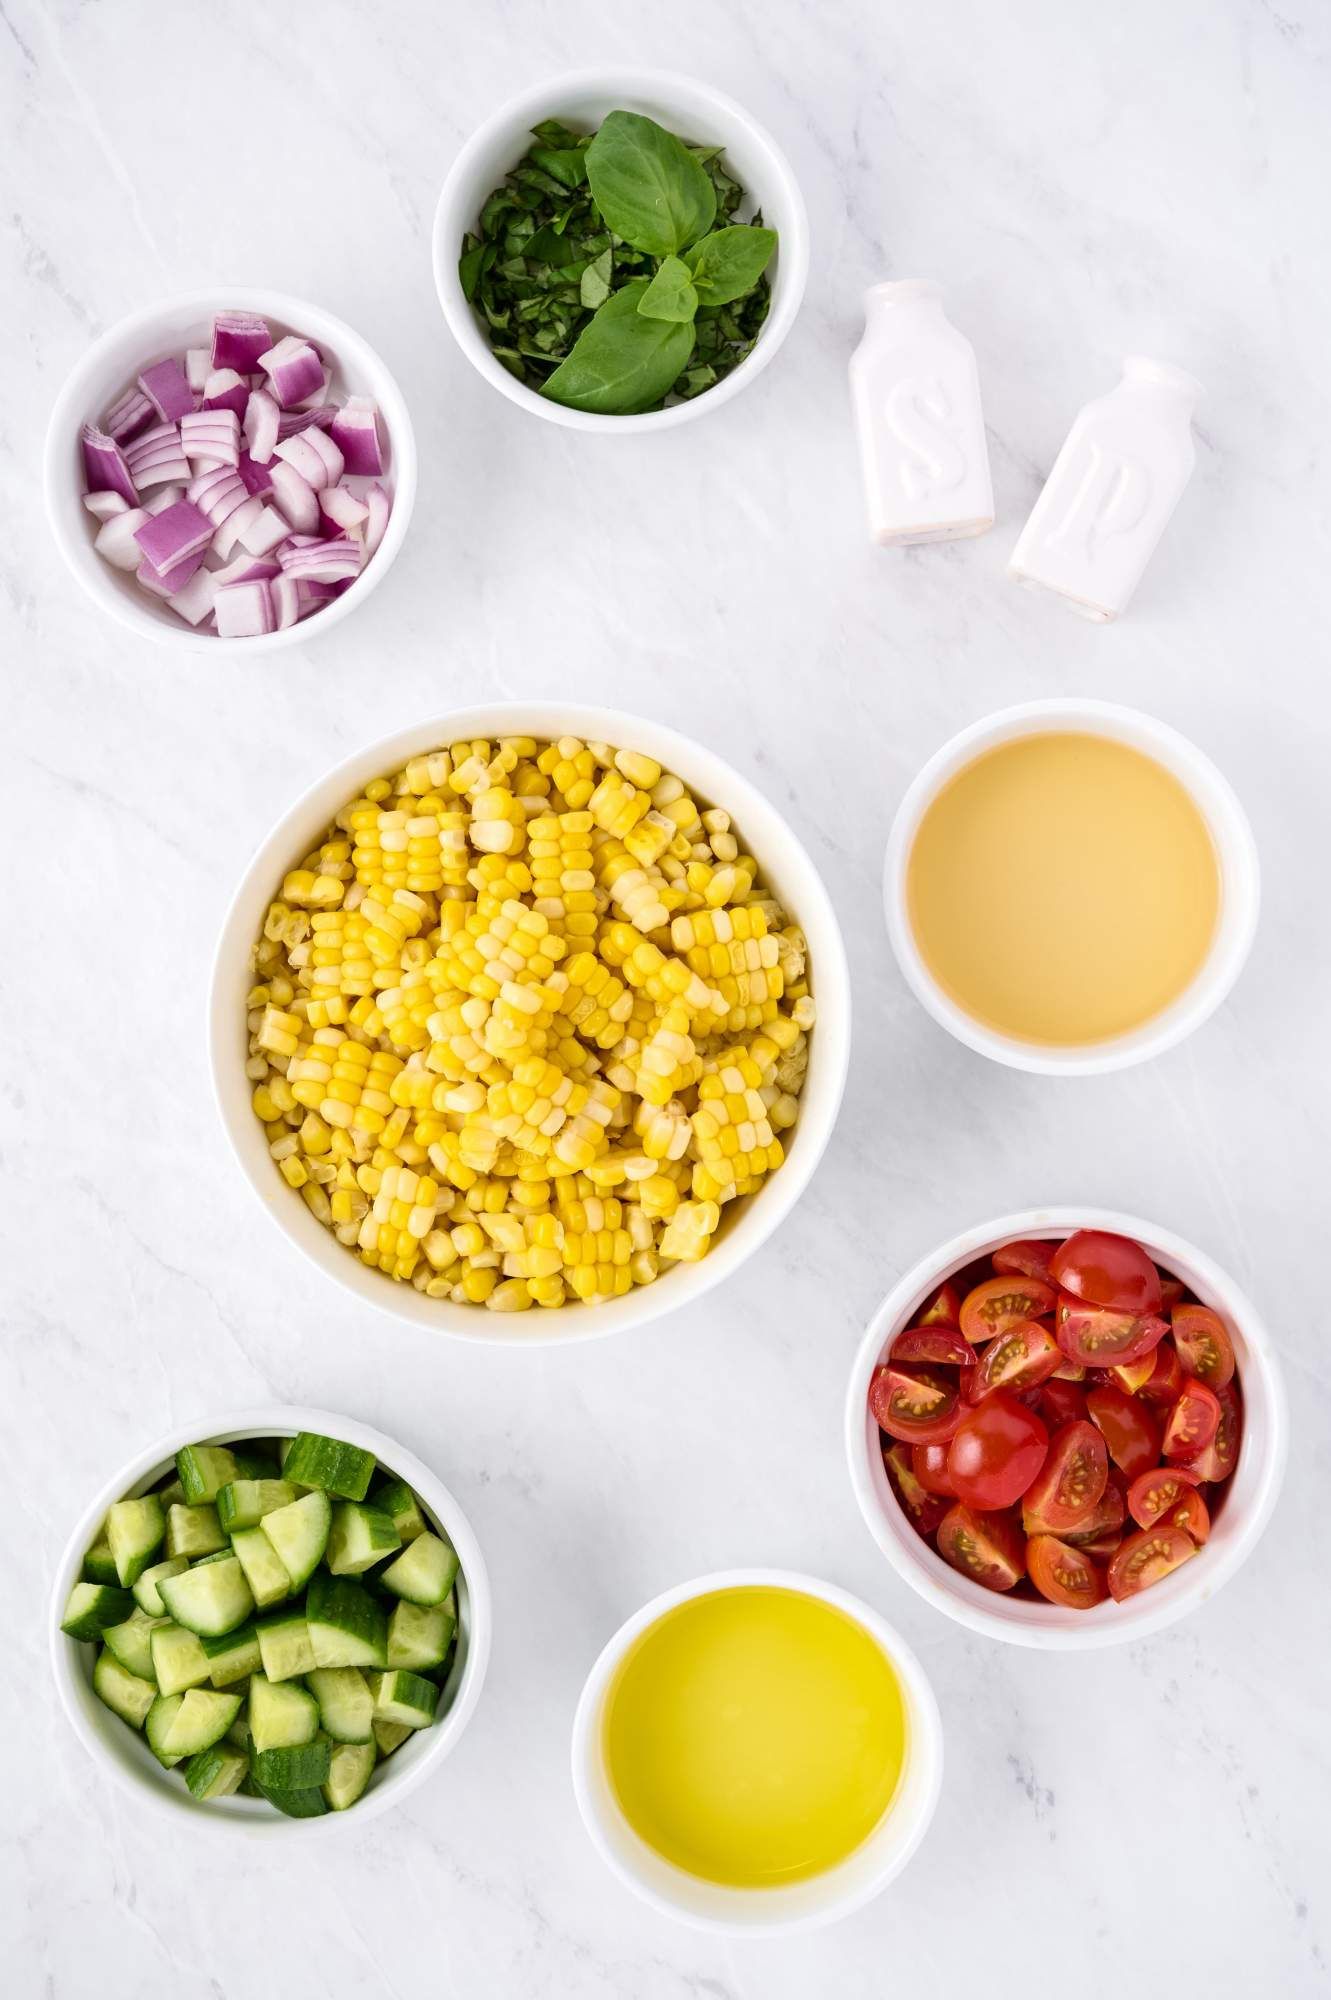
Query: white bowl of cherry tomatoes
(1066, 1428)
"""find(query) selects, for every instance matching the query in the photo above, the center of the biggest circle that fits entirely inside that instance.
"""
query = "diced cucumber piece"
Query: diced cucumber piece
(284, 1646)
(193, 1531)
(217, 1772)
(346, 1706)
(171, 1493)
(134, 1531)
(297, 1805)
(293, 1769)
(398, 1501)
(99, 1565)
(359, 1537)
(255, 1461)
(349, 1773)
(244, 1502)
(281, 1714)
(424, 1572)
(203, 1470)
(130, 1643)
(124, 1693)
(179, 1661)
(347, 1627)
(388, 1735)
(146, 1594)
(180, 1725)
(210, 1599)
(239, 1732)
(265, 1572)
(419, 1635)
(91, 1607)
(333, 1467)
(233, 1656)
(214, 1556)
(299, 1534)
(406, 1698)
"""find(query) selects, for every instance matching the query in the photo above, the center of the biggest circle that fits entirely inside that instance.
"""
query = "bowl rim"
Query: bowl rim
(926, 1746)
(68, 413)
(1047, 1627)
(276, 1420)
(793, 250)
(1236, 858)
(832, 1034)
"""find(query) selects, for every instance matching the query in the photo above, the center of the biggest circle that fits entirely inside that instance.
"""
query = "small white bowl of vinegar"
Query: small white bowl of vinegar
(1071, 887)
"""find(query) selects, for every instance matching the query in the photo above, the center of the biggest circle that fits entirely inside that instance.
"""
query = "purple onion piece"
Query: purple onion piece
(166, 387)
(105, 466)
(126, 418)
(239, 339)
(262, 417)
(167, 583)
(355, 431)
(380, 506)
(170, 538)
(258, 478)
(244, 610)
(294, 369)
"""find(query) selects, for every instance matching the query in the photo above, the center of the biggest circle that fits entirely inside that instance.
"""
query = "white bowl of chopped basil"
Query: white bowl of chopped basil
(620, 250)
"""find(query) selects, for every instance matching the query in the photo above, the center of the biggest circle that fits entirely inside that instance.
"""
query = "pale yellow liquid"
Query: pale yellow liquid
(754, 1736)
(1063, 888)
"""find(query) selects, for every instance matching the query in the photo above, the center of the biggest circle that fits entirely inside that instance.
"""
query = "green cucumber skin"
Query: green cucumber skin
(406, 1697)
(351, 1767)
(295, 1769)
(99, 1565)
(134, 1531)
(399, 1502)
(328, 1464)
(193, 1531)
(146, 1594)
(359, 1537)
(216, 1772)
(203, 1470)
(242, 1503)
(425, 1571)
(122, 1692)
(131, 1643)
(91, 1607)
(233, 1657)
(296, 1805)
(348, 1628)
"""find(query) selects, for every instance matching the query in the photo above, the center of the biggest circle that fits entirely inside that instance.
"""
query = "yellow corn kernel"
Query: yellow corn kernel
(688, 1234)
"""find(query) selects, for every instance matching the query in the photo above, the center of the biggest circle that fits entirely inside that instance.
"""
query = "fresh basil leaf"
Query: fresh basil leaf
(551, 132)
(648, 186)
(594, 289)
(476, 258)
(729, 262)
(622, 362)
(670, 295)
(568, 164)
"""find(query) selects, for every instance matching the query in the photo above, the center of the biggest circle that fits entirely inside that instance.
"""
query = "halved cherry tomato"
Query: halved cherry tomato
(1103, 1545)
(1204, 1346)
(923, 1510)
(1193, 1421)
(916, 1405)
(1127, 1426)
(1061, 1401)
(1146, 1557)
(1100, 1337)
(1071, 1480)
(943, 1309)
(988, 1548)
(1106, 1517)
(1029, 1258)
(1064, 1575)
(1190, 1514)
(1153, 1493)
(998, 1448)
(939, 1344)
(1022, 1358)
(1107, 1270)
(929, 1463)
(998, 1303)
(1166, 1377)
(1069, 1371)
(1171, 1292)
(1219, 1458)
(1132, 1376)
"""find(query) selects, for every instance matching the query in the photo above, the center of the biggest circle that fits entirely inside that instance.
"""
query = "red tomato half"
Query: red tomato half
(923, 1510)
(988, 1548)
(1127, 1426)
(1107, 1270)
(943, 1309)
(916, 1405)
(1153, 1493)
(939, 1344)
(1166, 1377)
(998, 1303)
(1062, 1574)
(1071, 1481)
(1023, 1357)
(997, 1451)
(1132, 1376)
(1219, 1458)
(1061, 1401)
(1190, 1514)
(1146, 1557)
(1204, 1347)
(1171, 1292)
(1099, 1337)
(1105, 1518)
(1028, 1259)
(1102, 1546)
(1193, 1421)
(929, 1463)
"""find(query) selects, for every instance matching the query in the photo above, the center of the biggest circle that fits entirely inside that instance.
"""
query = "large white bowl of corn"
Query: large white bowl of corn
(530, 1022)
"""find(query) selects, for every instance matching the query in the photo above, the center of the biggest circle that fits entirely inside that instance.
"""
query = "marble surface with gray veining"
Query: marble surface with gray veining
(1083, 182)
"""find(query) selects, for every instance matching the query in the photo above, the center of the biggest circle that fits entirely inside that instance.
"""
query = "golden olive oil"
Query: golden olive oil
(1063, 888)
(754, 1736)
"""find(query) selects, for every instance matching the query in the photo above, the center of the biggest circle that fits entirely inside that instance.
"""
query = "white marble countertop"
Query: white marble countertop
(1083, 183)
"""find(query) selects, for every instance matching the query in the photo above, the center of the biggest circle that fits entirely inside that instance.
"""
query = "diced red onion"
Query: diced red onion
(244, 568)
(198, 365)
(105, 465)
(244, 610)
(295, 496)
(211, 434)
(314, 456)
(237, 523)
(285, 594)
(103, 505)
(219, 495)
(165, 496)
(156, 456)
(167, 389)
(129, 416)
(114, 540)
(342, 507)
(225, 390)
(194, 601)
(355, 431)
(380, 506)
(262, 417)
(165, 583)
(258, 478)
(292, 421)
(265, 533)
(172, 537)
(325, 562)
(294, 369)
(239, 341)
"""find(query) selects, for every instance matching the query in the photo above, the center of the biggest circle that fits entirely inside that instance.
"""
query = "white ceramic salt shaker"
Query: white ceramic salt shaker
(916, 392)
(1114, 485)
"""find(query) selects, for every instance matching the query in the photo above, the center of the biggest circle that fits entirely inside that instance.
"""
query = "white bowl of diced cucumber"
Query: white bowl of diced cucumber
(271, 1619)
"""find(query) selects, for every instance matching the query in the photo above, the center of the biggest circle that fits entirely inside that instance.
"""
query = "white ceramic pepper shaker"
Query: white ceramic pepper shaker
(916, 392)
(1114, 485)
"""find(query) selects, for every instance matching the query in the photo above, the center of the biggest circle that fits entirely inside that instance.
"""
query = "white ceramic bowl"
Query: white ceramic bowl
(786, 869)
(1236, 854)
(169, 327)
(693, 110)
(123, 1753)
(1250, 1493)
(799, 1905)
